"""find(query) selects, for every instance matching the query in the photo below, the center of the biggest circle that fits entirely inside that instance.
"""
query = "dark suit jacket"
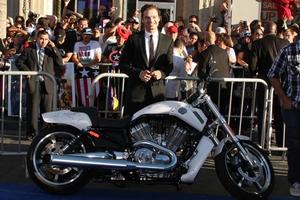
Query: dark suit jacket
(264, 51)
(52, 64)
(219, 56)
(133, 60)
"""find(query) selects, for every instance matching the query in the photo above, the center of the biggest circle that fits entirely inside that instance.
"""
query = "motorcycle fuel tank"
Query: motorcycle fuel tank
(192, 116)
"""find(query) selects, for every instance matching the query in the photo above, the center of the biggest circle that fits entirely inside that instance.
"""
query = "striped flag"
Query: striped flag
(84, 79)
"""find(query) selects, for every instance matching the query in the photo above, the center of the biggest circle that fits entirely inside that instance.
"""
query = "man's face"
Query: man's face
(151, 20)
(82, 24)
(120, 41)
(86, 38)
(42, 40)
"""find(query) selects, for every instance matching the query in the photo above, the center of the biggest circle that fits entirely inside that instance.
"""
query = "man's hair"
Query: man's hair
(83, 19)
(149, 7)
(178, 43)
(194, 16)
(42, 32)
(270, 27)
(43, 22)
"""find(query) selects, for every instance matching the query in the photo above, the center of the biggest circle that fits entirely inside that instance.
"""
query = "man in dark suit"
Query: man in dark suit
(43, 56)
(264, 51)
(147, 58)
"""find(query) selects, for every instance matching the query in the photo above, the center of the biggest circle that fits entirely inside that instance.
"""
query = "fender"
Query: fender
(78, 120)
(219, 148)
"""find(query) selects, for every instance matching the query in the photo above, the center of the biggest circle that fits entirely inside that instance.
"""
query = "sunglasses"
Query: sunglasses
(193, 21)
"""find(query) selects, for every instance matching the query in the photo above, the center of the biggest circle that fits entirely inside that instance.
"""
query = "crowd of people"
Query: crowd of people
(147, 51)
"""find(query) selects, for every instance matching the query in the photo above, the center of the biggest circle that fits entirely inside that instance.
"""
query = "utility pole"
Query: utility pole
(3, 16)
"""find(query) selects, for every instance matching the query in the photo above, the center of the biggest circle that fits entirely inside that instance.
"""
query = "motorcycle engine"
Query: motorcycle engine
(166, 133)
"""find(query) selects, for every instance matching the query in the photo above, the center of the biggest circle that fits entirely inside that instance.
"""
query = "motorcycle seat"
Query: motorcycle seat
(102, 122)
(123, 123)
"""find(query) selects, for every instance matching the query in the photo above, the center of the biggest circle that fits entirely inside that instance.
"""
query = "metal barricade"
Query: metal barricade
(21, 74)
(232, 81)
(240, 116)
(269, 131)
(120, 92)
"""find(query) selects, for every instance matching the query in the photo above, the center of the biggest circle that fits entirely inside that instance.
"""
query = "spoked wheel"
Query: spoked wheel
(53, 178)
(239, 178)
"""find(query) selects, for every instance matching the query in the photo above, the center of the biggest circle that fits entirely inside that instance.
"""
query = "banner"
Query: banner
(268, 11)
(66, 88)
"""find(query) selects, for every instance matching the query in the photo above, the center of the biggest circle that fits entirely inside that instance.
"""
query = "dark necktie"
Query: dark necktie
(41, 60)
(151, 51)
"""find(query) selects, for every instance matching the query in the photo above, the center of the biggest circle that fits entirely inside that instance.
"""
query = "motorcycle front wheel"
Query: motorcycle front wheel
(53, 178)
(239, 178)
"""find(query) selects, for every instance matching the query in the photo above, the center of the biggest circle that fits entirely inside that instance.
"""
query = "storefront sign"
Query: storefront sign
(268, 11)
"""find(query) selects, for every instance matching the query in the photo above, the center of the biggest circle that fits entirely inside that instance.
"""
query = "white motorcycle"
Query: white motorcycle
(164, 142)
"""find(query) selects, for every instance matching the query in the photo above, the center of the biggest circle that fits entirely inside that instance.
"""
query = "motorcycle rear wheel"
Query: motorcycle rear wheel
(238, 178)
(53, 178)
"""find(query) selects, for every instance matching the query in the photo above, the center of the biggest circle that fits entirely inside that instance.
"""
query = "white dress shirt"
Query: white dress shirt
(155, 42)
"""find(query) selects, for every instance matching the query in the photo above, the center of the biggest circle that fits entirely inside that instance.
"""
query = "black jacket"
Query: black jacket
(134, 59)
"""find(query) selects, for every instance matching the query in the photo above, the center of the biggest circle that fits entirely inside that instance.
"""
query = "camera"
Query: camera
(33, 16)
(213, 19)
(4, 64)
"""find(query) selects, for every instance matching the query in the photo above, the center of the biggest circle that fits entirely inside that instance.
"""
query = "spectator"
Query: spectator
(191, 45)
(224, 9)
(257, 33)
(19, 20)
(108, 37)
(242, 50)
(284, 77)
(42, 57)
(65, 50)
(224, 41)
(172, 86)
(112, 51)
(132, 24)
(193, 24)
(264, 52)
(215, 61)
(87, 53)
(172, 32)
(291, 33)
(145, 68)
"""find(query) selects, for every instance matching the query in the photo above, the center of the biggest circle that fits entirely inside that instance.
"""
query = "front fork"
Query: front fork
(221, 120)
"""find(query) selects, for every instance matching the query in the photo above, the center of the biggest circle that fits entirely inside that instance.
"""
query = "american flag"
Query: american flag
(84, 79)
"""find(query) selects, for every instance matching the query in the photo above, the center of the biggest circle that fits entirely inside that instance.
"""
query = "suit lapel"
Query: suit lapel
(159, 47)
(143, 46)
(35, 57)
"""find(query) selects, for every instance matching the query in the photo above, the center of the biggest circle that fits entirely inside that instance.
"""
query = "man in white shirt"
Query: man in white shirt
(87, 53)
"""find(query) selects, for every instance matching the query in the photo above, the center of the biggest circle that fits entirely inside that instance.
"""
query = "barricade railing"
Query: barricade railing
(269, 132)
(240, 116)
(120, 92)
(232, 81)
(22, 74)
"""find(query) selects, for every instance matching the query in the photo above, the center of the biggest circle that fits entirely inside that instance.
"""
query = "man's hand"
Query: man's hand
(145, 75)
(286, 103)
(51, 44)
(66, 2)
(157, 74)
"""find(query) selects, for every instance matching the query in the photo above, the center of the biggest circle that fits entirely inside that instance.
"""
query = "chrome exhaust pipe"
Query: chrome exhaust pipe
(101, 160)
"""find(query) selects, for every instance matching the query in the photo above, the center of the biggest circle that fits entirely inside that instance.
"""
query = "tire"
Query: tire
(236, 176)
(52, 178)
